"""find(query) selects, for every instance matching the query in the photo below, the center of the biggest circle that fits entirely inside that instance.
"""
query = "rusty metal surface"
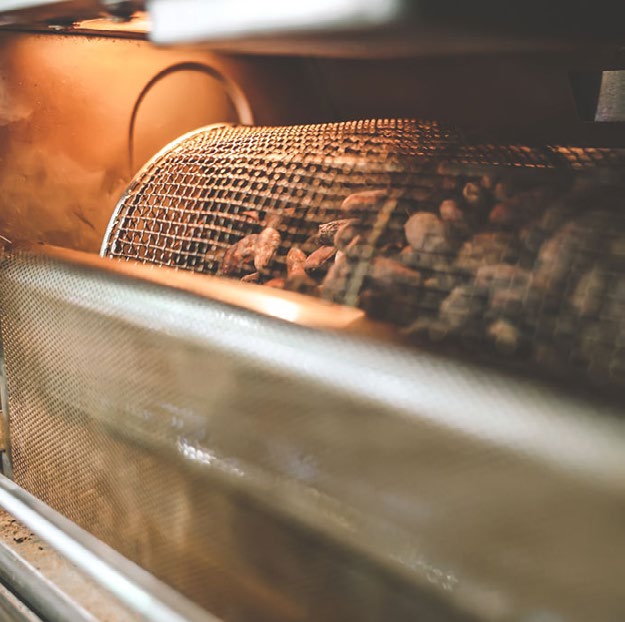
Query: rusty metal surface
(274, 472)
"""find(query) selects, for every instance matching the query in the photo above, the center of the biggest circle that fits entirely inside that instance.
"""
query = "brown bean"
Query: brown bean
(266, 246)
(327, 232)
(450, 211)
(487, 248)
(239, 258)
(387, 272)
(363, 203)
(461, 307)
(474, 195)
(319, 261)
(501, 276)
(505, 336)
(295, 260)
(589, 292)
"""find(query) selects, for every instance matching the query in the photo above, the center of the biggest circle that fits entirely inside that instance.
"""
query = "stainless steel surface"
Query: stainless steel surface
(56, 570)
(180, 21)
(260, 464)
(139, 591)
(611, 103)
(34, 589)
(14, 610)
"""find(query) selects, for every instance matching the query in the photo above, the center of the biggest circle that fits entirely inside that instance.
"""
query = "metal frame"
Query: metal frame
(137, 589)
(544, 438)
(5, 450)
(36, 592)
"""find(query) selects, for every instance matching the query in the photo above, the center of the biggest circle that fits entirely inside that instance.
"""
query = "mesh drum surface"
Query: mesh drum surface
(504, 252)
(276, 473)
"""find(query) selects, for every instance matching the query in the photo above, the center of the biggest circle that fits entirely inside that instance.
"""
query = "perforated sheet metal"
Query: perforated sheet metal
(273, 472)
(504, 252)
(212, 186)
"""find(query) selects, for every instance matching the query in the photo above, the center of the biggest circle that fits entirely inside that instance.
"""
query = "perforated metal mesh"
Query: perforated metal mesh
(276, 473)
(507, 252)
(215, 185)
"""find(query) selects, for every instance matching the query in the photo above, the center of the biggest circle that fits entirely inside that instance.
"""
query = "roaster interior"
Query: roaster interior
(505, 253)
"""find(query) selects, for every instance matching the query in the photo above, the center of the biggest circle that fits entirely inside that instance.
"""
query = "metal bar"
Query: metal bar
(176, 21)
(14, 610)
(36, 591)
(137, 589)
(5, 450)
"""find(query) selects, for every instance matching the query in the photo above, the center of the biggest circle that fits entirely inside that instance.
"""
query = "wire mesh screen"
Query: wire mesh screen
(504, 252)
(276, 473)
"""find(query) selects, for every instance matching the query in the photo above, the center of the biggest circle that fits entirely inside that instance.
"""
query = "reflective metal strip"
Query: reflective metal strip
(38, 592)
(137, 589)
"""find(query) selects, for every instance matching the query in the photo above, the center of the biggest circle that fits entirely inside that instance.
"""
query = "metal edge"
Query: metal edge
(12, 609)
(137, 589)
(36, 592)
(143, 171)
(6, 466)
(290, 307)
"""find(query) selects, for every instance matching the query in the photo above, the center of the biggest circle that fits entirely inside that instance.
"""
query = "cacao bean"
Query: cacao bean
(363, 203)
(505, 336)
(239, 258)
(461, 308)
(318, 263)
(295, 261)
(328, 231)
(266, 246)
(387, 272)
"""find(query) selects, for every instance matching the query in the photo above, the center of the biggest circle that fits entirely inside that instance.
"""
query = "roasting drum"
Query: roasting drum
(507, 253)
(270, 471)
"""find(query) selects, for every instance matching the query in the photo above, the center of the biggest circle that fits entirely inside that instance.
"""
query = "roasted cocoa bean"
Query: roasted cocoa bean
(589, 292)
(267, 244)
(427, 329)
(474, 195)
(319, 262)
(348, 236)
(388, 273)
(487, 248)
(616, 252)
(505, 336)
(335, 283)
(361, 204)
(501, 276)
(462, 307)
(450, 211)
(239, 258)
(507, 302)
(425, 233)
(276, 220)
(295, 262)
(506, 215)
(327, 232)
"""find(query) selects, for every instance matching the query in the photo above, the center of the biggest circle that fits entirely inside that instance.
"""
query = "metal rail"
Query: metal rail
(137, 589)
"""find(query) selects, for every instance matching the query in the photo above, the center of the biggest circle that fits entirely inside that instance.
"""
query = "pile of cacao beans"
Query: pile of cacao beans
(522, 264)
